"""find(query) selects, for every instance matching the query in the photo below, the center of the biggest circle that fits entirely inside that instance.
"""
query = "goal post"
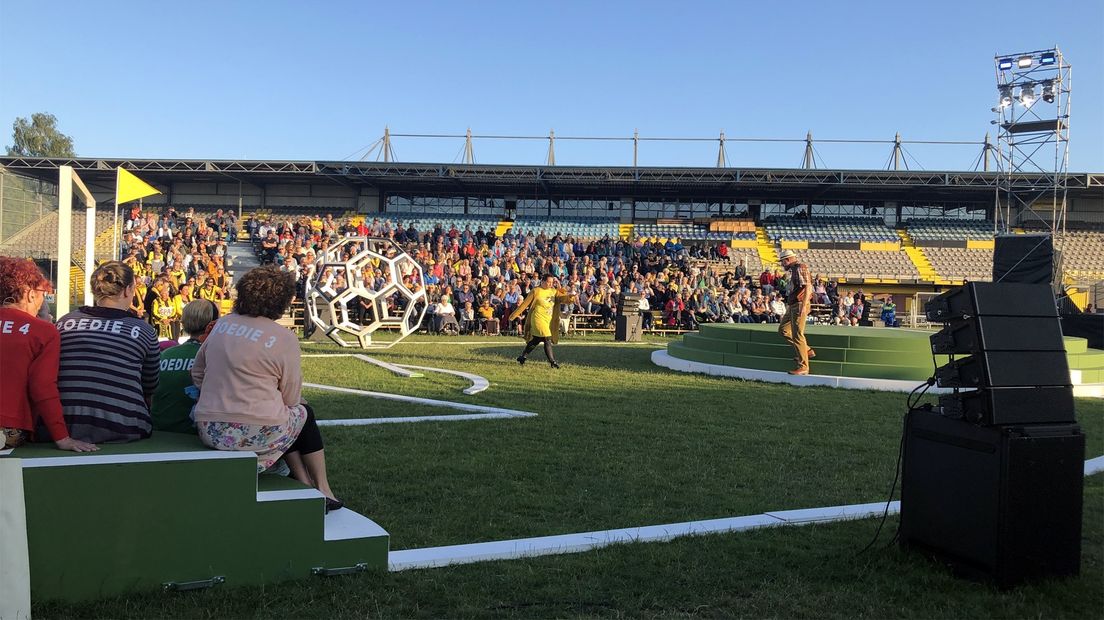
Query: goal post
(67, 180)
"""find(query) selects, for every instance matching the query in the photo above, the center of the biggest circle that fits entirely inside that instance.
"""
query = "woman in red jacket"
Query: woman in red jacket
(30, 349)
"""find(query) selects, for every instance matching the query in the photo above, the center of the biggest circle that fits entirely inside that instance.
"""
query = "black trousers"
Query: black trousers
(534, 341)
(310, 438)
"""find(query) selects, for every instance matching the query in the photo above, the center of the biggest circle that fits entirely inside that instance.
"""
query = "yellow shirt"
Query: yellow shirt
(208, 293)
(544, 301)
(164, 309)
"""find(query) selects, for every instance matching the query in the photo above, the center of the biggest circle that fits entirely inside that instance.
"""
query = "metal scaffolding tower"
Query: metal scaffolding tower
(1033, 120)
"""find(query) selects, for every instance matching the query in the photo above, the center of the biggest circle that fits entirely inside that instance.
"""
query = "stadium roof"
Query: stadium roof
(526, 181)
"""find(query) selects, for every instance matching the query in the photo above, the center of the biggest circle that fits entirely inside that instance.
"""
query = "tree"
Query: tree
(40, 137)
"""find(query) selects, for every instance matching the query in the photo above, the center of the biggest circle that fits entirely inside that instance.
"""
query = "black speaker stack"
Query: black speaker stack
(992, 477)
(629, 303)
(628, 327)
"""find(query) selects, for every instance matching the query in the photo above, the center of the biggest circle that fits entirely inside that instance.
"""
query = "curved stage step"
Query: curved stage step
(854, 352)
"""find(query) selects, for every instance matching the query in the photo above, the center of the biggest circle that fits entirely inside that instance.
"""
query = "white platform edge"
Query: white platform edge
(1089, 390)
(15, 564)
(421, 401)
(1094, 466)
(153, 457)
(345, 524)
(425, 418)
(660, 357)
(284, 495)
(433, 557)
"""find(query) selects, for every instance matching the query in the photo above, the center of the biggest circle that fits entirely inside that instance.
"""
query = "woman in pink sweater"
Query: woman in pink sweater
(250, 382)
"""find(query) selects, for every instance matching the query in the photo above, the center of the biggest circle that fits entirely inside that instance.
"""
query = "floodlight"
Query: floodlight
(1048, 58)
(1027, 95)
(1005, 96)
(1048, 91)
(1023, 62)
(1004, 64)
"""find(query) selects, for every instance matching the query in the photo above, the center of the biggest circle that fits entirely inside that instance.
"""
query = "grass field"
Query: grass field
(622, 443)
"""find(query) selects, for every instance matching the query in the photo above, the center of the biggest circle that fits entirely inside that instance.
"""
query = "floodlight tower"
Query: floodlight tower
(1033, 120)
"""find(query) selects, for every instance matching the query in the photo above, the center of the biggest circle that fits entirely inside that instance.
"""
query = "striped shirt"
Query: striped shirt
(109, 367)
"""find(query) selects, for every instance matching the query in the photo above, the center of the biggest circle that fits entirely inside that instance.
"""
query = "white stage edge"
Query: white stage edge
(664, 359)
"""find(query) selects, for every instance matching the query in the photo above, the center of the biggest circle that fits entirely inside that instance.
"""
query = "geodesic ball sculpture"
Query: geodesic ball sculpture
(366, 291)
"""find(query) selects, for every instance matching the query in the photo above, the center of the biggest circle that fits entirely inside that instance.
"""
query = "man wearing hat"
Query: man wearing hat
(792, 326)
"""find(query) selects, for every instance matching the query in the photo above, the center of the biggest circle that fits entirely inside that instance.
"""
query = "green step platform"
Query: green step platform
(858, 352)
(168, 512)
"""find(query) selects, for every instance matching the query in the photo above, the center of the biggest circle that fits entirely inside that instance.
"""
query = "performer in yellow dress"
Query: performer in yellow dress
(542, 324)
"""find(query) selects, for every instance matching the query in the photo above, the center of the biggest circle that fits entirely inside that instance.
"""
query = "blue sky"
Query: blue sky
(297, 80)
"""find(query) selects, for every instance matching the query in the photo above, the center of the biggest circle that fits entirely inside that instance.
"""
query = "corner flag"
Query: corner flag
(129, 187)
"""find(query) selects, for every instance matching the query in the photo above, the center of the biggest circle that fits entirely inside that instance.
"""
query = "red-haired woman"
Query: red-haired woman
(29, 348)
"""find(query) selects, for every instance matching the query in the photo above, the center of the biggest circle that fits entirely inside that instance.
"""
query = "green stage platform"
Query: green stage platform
(167, 510)
(859, 352)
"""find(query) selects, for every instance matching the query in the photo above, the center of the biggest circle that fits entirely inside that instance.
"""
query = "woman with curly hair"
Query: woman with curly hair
(250, 383)
(29, 348)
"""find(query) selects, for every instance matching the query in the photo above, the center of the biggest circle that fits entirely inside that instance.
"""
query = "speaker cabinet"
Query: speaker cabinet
(998, 502)
(1027, 259)
(1011, 405)
(628, 328)
(1006, 369)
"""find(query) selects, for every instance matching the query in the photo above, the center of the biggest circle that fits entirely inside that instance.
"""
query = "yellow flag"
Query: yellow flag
(129, 187)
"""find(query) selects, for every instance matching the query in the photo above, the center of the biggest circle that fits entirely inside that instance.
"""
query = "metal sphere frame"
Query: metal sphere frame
(328, 299)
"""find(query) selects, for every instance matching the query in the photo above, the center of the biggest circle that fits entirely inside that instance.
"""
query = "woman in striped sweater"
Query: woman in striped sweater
(109, 362)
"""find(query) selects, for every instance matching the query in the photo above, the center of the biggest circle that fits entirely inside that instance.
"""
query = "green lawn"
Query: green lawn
(622, 443)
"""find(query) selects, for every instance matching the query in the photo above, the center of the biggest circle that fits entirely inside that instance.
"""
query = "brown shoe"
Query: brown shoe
(800, 371)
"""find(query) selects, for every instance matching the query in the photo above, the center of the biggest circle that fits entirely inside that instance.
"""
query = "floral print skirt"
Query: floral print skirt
(269, 442)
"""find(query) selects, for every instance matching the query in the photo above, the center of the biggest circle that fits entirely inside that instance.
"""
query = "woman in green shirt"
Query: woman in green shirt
(172, 403)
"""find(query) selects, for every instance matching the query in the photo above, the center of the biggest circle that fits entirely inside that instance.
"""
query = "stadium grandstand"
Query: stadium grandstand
(895, 232)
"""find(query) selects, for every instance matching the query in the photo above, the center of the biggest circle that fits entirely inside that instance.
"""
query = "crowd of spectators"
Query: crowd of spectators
(176, 257)
(474, 279)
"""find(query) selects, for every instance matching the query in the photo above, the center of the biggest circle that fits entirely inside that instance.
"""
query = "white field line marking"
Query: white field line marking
(511, 341)
(424, 418)
(395, 368)
(423, 401)
(434, 557)
(478, 385)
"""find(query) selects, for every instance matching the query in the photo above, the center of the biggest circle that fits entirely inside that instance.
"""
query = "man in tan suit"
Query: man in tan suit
(798, 298)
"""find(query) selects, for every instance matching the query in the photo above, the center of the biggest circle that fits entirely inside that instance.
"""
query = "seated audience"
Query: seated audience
(109, 357)
(29, 352)
(174, 399)
(250, 384)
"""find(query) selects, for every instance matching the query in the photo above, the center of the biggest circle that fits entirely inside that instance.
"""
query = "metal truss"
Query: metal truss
(486, 178)
(160, 165)
(1033, 117)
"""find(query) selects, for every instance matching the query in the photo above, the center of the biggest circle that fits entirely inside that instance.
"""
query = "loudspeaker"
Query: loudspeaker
(1011, 405)
(992, 299)
(997, 502)
(1023, 258)
(628, 304)
(628, 329)
(1005, 369)
(999, 333)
